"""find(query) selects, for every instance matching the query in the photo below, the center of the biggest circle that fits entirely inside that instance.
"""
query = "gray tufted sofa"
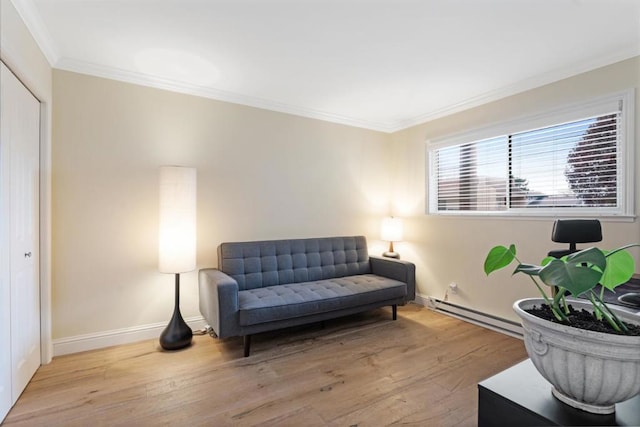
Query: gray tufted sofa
(267, 285)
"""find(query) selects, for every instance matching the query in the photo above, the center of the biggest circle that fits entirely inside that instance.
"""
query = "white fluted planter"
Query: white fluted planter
(589, 370)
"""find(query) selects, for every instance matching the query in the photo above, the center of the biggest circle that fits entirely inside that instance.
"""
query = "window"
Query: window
(574, 161)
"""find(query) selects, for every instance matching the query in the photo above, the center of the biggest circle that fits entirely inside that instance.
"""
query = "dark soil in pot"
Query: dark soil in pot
(582, 319)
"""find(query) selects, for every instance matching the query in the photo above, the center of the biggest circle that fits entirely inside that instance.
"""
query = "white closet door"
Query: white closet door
(21, 134)
(5, 255)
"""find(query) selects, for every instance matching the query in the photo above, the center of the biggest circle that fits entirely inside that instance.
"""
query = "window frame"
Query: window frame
(564, 114)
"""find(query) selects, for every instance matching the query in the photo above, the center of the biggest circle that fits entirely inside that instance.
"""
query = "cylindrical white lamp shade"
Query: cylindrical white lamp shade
(391, 230)
(177, 233)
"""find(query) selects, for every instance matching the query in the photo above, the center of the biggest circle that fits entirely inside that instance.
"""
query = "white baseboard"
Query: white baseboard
(485, 320)
(98, 340)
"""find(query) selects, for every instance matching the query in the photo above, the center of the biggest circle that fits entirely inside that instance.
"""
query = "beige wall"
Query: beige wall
(449, 249)
(261, 175)
(264, 175)
(19, 51)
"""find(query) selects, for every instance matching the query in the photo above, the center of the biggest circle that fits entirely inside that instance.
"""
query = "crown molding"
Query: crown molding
(31, 18)
(385, 127)
(521, 86)
(211, 93)
(28, 12)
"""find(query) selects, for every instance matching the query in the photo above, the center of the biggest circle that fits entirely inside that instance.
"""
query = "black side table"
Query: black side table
(520, 396)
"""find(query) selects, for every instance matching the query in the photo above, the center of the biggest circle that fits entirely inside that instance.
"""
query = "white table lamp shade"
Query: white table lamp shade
(177, 225)
(391, 230)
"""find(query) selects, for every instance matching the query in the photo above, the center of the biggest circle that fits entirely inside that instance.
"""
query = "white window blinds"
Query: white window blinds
(569, 165)
(472, 176)
(574, 166)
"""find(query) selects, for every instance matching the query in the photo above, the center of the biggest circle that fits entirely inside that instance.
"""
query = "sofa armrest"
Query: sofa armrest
(396, 269)
(219, 301)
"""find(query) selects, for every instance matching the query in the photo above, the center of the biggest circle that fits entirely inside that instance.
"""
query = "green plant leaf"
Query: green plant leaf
(530, 269)
(499, 257)
(576, 274)
(620, 268)
(575, 277)
(592, 257)
(546, 260)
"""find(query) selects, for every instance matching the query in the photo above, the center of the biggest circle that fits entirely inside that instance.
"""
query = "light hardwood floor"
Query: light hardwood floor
(363, 370)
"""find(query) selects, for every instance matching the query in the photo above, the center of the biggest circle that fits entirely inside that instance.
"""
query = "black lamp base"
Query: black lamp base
(177, 334)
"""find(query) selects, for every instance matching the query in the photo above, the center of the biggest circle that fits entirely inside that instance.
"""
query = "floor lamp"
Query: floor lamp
(177, 242)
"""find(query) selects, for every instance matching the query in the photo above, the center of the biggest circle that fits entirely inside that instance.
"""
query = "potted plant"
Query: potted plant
(591, 366)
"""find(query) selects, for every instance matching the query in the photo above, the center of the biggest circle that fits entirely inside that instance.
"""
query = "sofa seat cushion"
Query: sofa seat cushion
(293, 300)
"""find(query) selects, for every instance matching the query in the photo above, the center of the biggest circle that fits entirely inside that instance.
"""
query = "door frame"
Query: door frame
(23, 74)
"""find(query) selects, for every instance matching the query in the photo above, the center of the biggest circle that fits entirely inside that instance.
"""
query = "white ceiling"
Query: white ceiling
(378, 64)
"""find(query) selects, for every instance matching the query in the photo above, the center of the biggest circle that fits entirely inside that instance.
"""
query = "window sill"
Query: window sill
(529, 217)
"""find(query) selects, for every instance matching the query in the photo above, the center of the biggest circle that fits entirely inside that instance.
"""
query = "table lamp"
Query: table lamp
(391, 231)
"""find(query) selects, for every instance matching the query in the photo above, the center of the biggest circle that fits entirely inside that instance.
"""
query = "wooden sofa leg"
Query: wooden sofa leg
(394, 308)
(247, 345)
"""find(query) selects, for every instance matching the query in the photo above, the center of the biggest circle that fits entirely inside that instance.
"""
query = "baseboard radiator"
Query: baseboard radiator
(485, 320)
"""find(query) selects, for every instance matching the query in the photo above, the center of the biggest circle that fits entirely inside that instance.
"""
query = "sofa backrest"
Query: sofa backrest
(277, 262)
